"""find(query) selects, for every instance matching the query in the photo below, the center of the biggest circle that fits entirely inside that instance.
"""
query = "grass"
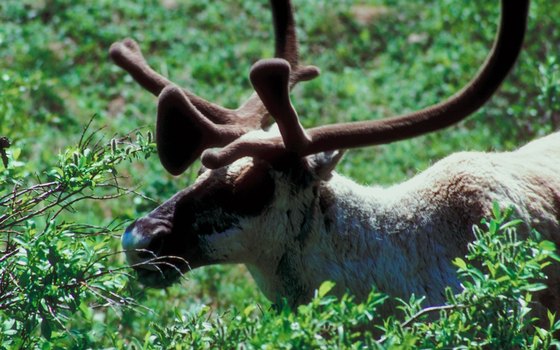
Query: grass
(380, 59)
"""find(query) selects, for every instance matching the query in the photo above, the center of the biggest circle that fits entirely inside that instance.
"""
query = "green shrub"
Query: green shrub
(53, 271)
(499, 276)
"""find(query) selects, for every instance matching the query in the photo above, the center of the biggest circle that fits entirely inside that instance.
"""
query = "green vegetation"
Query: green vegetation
(493, 310)
(81, 165)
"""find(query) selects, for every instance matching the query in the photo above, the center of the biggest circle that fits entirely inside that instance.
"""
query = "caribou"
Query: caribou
(267, 194)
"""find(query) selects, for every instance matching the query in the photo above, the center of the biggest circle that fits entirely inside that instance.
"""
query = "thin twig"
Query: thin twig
(73, 201)
(430, 310)
(33, 202)
(38, 212)
(424, 312)
(85, 130)
(6, 256)
(26, 190)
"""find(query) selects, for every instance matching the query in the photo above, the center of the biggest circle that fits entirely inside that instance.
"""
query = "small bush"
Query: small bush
(499, 276)
(53, 271)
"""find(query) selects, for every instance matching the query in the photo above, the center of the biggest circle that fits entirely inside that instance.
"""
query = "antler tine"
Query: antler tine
(286, 47)
(271, 80)
(501, 59)
(127, 55)
(286, 43)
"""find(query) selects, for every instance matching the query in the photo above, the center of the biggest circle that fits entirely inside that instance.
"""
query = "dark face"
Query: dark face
(200, 225)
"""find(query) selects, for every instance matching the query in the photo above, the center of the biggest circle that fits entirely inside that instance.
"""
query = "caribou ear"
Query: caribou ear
(322, 164)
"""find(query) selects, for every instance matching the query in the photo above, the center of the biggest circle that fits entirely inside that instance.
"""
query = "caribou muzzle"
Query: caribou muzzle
(156, 252)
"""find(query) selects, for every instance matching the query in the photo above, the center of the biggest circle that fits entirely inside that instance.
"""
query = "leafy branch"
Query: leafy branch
(46, 274)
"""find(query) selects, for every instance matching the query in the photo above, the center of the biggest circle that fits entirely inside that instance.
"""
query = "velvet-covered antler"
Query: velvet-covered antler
(269, 79)
(188, 124)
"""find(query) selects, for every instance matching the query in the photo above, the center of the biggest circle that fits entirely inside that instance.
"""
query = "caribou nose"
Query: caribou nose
(135, 244)
(132, 239)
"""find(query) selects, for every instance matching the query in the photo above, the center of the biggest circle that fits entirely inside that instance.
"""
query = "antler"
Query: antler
(501, 59)
(188, 124)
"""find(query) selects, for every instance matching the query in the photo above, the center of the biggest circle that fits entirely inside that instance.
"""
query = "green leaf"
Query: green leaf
(496, 211)
(460, 263)
(547, 246)
(249, 310)
(46, 329)
(535, 287)
(511, 223)
(16, 152)
(325, 287)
